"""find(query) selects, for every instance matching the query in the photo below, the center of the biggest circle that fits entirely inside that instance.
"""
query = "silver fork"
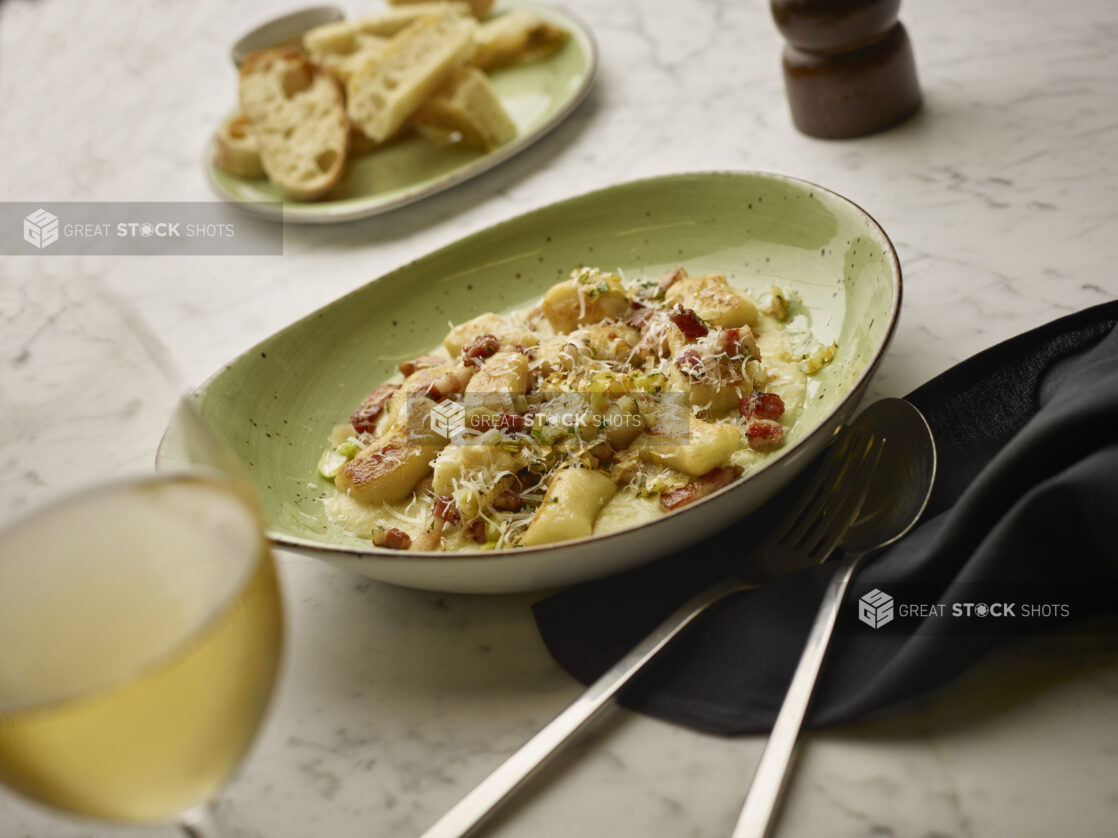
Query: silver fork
(806, 536)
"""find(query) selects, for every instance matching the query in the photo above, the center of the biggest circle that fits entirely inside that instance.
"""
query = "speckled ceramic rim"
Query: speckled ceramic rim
(323, 212)
(518, 554)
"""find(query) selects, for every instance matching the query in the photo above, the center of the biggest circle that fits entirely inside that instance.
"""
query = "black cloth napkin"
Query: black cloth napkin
(1024, 517)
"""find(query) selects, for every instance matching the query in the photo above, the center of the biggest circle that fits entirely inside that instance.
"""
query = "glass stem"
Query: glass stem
(201, 822)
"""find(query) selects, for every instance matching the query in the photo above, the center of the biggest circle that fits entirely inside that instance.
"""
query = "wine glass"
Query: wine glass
(140, 618)
(141, 626)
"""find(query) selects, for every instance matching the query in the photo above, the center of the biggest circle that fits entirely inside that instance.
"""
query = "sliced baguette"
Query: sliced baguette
(343, 46)
(337, 38)
(394, 20)
(344, 64)
(236, 150)
(480, 8)
(468, 106)
(342, 36)
(298, 117)
(515, 38)
(383, 93)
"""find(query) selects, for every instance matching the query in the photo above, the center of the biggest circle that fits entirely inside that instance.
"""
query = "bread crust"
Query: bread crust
(236, 150)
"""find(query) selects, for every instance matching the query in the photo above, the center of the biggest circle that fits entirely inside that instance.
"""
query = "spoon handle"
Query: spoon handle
(765, 791)
(475, 807)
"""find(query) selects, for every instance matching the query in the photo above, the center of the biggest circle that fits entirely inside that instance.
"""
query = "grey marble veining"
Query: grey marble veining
(1001, 196)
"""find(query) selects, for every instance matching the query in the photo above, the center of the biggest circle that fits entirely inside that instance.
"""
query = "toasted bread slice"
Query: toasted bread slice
(342, 47)
(468, 106)
(383, 93)
(515, 38)
(342, 36)
(236, 150)
(298, 116)
(343, 65)
(337, 38)
(480, 8)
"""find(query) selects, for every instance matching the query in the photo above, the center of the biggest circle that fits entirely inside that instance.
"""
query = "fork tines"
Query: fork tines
(830, 504)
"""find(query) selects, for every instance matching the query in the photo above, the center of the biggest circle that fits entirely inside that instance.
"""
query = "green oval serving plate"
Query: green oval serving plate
(538, 97)
(275, 405)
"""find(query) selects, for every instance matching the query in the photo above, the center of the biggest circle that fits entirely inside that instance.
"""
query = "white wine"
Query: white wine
(140, 636)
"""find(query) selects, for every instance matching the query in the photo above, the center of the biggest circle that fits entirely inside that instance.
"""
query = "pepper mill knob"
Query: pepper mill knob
(848, 66)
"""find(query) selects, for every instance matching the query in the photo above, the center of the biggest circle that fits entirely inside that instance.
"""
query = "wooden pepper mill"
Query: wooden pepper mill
(848, 66)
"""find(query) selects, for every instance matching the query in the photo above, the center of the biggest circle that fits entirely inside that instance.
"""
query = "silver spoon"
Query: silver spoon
(897, 496)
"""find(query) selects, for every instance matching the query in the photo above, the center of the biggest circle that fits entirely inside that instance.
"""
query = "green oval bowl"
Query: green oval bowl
(275, 405)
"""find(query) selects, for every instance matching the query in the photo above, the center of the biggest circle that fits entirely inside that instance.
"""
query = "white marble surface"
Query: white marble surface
(1001, 196)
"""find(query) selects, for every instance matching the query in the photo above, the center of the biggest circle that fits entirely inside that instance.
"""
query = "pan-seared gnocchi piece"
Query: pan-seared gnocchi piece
(431, 383)
(608, 341)
(501, 377)
(473, 475)
(707, 445)
(711, 297)
(715, 370)
(611, 342)
(387, 470)
(622, 422)
(508, 334)
(589, 296)
(557, 353)
(711, 399)
(574, 498)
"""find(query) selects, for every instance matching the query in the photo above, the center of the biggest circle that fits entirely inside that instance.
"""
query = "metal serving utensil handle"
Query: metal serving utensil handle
(475, 807)
(767, 788)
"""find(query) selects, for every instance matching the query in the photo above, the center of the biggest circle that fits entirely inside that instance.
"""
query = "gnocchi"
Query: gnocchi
(610, 398)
